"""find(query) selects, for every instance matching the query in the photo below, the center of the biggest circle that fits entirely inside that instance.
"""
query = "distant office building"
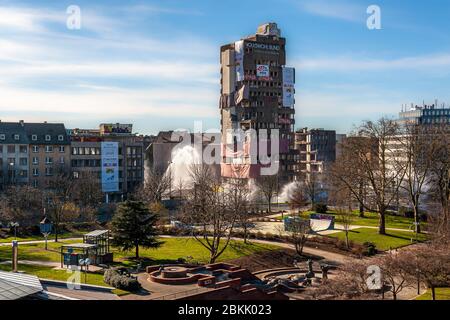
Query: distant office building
(425, 114)
(339, 140)
(257, 92)
(114, 157)
(32, 153)
(315, 148)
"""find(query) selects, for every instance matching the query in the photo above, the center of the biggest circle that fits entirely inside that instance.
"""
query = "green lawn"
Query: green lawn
(40, 237)
(52, 274)
(441, 294)
(171, 250)
(392, 240)
(370, 219)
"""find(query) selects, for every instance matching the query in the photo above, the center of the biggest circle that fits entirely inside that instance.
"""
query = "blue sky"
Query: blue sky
(156, 63)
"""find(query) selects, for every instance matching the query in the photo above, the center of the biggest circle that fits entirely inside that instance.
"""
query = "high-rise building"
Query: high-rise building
(425, 114)
(315, 149)
(257, 92)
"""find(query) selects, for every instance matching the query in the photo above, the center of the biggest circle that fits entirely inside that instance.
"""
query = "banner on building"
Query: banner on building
(262, 70)
(116, 128)
(110, 166)
(288, 87)
(239, 59)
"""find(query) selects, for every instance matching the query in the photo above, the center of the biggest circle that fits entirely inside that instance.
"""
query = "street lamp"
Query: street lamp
(46, 228)
(14, 225)
(11, 171)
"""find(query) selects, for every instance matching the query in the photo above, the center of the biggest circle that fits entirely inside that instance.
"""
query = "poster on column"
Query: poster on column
(239, 59)
(110, 166)
(288, 86)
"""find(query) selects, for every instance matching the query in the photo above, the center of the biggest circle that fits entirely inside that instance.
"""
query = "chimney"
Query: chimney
(21, 122)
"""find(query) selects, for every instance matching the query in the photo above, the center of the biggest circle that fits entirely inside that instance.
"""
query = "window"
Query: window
(34, 137)
(35, 183)
(48, 137)
(76, 174)
(48, 160)
(62, 149)
(61, 160)
(23, 161)
(60, 137)
(23, 174)
(2, 137)
(17, 137)
(11, 149)
(48, 149)
(35, 149)
(23, 149)
(49, 171)
(11, 162)
(35, 160)
(35, 172)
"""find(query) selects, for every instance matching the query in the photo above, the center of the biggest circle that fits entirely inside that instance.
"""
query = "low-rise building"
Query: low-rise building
(87, 158)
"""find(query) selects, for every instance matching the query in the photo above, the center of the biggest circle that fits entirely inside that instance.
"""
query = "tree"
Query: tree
(207, 211)
(88, 194)
(268, 186)
(237, 196)
(23, 204)
(419, 145)
(343, 202)
(156, 185)
(297, 232)
(313, 183)
(60, 205)
(297, 199)
(371, 154)
(134, 225)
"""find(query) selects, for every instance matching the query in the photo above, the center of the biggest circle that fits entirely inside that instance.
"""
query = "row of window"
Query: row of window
(35, 149)
(34, 137)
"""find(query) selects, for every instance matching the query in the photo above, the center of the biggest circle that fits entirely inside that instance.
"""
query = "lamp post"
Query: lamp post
(15, 225)
(46, 228)
(11, 172)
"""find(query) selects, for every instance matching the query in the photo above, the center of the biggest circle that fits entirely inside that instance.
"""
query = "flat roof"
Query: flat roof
(96, 233)
(79, 245)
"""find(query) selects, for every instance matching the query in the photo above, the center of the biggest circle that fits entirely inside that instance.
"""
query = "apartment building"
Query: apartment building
(32, 153)
(257, 92)
(120, 173)
(49, 152)
(315, 149)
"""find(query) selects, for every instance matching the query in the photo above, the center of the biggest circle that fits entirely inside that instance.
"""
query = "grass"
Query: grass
(392, 240)
(41, 238)
(170, 251)
(441, 294)
(371, 219)
(52, 274)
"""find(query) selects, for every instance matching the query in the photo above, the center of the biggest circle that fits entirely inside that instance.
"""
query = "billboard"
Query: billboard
(239, 59)
(110, 166)
(116, 128)
(262, 70)
(288, 87)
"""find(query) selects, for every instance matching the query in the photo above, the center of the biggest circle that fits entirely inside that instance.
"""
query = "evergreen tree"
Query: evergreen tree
(134, 225)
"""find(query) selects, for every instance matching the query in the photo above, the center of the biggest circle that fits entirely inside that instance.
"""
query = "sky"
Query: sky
(156, 63)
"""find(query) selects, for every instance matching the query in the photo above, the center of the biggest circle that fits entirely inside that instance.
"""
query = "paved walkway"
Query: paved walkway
(4, 244)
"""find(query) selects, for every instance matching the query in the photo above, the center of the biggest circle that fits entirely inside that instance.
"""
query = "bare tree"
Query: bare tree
(60, 202)
(208, 212)
(296, 232)
(23, 204)
(419, 145)
(87, 194)
(268, 186)
(156, 185)
(373, 149)
(237, 195)
(297, 200)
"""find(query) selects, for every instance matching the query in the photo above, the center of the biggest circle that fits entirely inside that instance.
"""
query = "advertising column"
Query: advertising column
(110, 167)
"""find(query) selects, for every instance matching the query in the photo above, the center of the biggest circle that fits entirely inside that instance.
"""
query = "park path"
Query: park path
(4, 244)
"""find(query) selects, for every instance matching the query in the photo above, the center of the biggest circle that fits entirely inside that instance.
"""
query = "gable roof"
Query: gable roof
(15, 286)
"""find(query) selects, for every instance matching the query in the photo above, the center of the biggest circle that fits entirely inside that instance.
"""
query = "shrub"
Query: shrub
(320, 208)
(370, 249)
(119, 281)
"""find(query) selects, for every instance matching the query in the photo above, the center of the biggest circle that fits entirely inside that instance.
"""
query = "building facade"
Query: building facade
(425, 115)
(32, 153)
(315, 149)
(86, 157)
(257, 92)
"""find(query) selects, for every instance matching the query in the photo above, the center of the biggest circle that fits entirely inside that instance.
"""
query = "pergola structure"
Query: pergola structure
(72, 253)
(95, 246)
